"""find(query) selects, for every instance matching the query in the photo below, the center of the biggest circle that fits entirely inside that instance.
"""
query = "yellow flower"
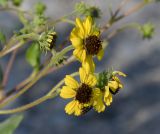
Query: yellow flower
(83, 93)
(85, 38)
(104, 95)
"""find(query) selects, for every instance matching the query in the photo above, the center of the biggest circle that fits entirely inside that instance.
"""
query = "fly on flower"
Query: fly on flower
(85, 38)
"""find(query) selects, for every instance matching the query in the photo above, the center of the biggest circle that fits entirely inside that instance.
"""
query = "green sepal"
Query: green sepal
(103, 78)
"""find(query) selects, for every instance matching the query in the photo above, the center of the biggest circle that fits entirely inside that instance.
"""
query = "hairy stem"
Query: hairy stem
(36, 78)
(8, 69)
(49, 95)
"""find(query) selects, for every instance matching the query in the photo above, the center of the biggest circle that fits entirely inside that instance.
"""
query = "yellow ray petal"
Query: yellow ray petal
(71, 82)
(77, 42)
(88, 25)
(98, 101)
(88, 64)
(79, 54)
(76, 33)
(106, 94)
(119, 73)
(78, 109)
(67, 92)
(79, 24)
(91, 80)
(100, 54)
(113, 85)
(108, 100)
(70, 107)
(83, 57)
(83, 75)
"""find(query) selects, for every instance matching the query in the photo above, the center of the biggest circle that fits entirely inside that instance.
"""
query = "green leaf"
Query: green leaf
(33, 55)
(3, 2)
(2, 37)
(9, 125)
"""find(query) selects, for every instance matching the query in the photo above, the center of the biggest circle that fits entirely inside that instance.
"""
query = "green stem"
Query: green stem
(131, 25)
(33, 36)
(8, 50)
(52, 23)
(36, 78)
(25, 107)
(68, 21)
(61, 83)
(50, 95)
(9, 47)
(16, 10)
(61, 54)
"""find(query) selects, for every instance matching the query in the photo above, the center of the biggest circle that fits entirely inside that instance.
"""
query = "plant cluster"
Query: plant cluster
(93, 90)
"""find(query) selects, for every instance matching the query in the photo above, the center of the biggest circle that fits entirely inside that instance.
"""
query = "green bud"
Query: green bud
(47, 40)
(17, 2)
(94, 12)
(147, 30)
(80, 7)
(40, 8)
(87, 10)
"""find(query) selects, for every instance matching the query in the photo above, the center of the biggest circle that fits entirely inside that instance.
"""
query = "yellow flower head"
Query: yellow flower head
(85, 38)
(83, 93)
(104, 95)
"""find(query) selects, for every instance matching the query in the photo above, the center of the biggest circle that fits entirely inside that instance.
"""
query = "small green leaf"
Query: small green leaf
(3, 2)
(9, 125)
(33, 55)
(2, 37)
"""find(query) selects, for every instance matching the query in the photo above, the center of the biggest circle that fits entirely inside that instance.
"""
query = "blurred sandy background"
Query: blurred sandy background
(135, 110)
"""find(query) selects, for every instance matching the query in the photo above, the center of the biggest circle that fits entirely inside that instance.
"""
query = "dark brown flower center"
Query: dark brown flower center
(84, 93)
(92, 45)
